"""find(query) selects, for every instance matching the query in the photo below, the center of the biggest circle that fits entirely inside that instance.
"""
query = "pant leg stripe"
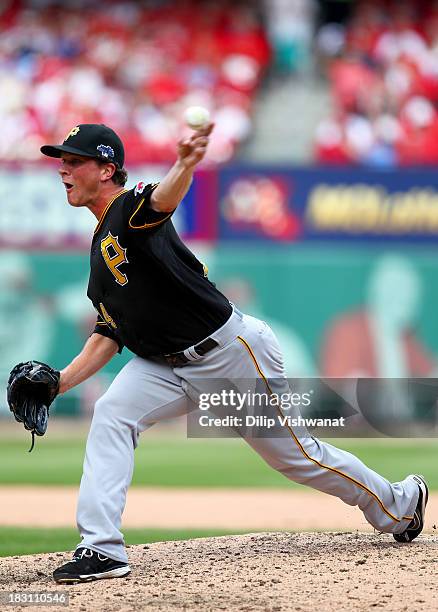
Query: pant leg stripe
(321, 465)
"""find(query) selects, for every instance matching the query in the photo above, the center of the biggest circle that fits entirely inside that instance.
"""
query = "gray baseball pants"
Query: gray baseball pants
(149, 390)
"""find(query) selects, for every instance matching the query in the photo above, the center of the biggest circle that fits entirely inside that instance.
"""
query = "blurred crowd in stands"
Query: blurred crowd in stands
(137, 64)
(383, 71)
(132, 65)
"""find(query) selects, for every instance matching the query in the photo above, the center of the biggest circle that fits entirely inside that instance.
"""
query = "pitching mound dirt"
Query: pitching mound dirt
(270, 571)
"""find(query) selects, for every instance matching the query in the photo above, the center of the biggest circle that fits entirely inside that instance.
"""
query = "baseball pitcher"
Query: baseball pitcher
(153, 296)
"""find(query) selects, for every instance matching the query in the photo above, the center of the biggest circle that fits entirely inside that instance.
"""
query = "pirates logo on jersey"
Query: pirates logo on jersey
(72, 132)
(139, 188)
(114, 256)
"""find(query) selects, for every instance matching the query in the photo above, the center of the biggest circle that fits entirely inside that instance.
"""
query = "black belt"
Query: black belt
(179, 359)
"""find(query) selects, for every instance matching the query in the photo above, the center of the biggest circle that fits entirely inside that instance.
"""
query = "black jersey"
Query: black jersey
(151, 293)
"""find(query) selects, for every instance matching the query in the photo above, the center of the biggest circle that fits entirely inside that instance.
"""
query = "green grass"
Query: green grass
(202, 463)
(29, 541)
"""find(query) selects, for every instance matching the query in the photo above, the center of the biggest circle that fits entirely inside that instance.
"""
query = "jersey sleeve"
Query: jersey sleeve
(104, 329)
(142, 216)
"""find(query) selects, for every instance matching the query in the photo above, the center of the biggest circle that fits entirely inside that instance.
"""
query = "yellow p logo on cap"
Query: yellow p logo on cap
(72, 132)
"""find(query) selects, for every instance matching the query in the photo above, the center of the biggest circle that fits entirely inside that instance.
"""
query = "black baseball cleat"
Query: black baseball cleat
(415, 527)
(88, 565)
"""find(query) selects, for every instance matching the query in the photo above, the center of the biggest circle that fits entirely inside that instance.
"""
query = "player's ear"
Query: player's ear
(107, 171)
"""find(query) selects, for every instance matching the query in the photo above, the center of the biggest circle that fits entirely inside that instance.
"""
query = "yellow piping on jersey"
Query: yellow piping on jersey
(107, 207)
(146, 225)
(298, 443)
(109, 320)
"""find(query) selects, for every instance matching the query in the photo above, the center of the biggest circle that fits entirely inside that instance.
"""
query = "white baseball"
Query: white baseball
(196, 117)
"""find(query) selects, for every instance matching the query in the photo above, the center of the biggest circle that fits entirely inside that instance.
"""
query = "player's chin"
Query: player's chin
(73, 201)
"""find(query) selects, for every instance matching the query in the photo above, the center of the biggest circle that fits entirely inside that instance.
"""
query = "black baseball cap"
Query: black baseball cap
(92, 140)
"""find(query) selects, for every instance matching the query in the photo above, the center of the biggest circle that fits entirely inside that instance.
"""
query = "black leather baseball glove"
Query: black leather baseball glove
(32, 387)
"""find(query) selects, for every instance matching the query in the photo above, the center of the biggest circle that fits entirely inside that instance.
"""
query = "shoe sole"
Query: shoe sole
(118, 572)
(425, 491)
